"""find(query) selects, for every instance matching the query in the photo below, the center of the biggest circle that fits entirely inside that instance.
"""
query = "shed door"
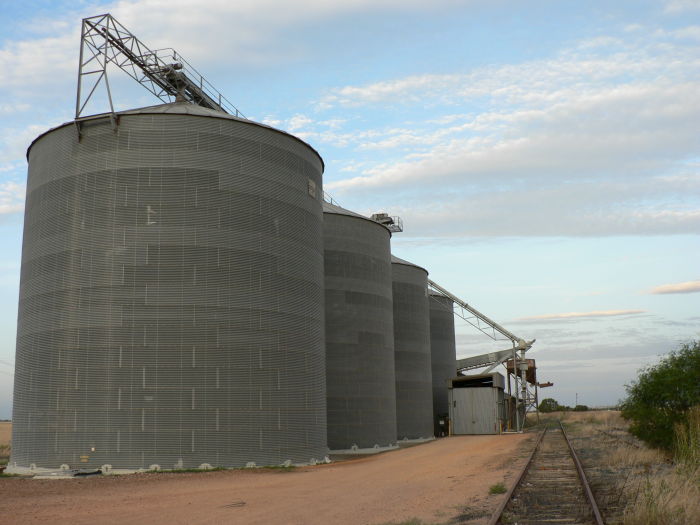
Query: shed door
(473, 411)
(459, 411)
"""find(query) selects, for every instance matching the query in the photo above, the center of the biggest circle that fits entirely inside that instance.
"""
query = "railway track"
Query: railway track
(552, 487)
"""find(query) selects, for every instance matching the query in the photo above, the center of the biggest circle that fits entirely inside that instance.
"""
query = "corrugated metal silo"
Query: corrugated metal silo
(414, 392)
(171, 307)
(443, 352)
(359, 331)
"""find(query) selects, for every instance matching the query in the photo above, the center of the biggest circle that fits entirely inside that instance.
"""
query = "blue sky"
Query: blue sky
(544, 155)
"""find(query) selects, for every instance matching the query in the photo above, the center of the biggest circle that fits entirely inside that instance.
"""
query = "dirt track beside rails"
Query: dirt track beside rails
(434, 482)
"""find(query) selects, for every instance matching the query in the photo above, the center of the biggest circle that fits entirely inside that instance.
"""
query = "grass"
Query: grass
(654, 490)
(687, 440)
(650, 486)
(627, 456)
(669, 498)
(4, 454)
(672, 496)
(498, 488)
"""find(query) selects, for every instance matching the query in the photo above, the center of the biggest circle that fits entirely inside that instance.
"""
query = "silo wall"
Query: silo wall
(359, 332)
(414, 392)
(171, 306)
(443, 353)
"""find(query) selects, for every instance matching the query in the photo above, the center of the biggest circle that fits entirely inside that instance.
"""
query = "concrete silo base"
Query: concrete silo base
(356, 451)
(411, 442)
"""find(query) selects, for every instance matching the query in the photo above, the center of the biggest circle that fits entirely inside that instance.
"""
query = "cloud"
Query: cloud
(591, 63)
(690, 32)
(14, 143)
(298, 122)
(685, 287)
(681, 6)
(250, 31)
(245, 32)
(624, 129)
(11, 197)
(597, 141)
(578, 315)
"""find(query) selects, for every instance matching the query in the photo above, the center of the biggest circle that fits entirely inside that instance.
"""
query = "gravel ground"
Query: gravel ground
(445, 481)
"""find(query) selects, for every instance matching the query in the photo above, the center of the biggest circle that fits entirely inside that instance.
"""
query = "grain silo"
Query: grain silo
(359, 331)
(443, 354)
(171, 297)
(414, 393)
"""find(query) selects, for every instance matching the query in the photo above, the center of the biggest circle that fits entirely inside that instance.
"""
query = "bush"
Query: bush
(662, 396)
(548, 405)
(580, 408)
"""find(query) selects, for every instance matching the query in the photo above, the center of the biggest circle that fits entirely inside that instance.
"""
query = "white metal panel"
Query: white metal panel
(474, 410)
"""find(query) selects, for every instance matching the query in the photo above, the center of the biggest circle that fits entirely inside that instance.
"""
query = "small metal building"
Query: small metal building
(443, 356)
(478, 404)
(360, 377)
(414, 391)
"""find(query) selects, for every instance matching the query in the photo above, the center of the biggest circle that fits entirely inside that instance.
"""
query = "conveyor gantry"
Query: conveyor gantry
(163, 72)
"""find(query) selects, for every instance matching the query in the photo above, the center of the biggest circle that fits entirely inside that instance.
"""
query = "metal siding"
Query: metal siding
(443, 354)
(474, 410)
(359, 333)
(414, 390)
(171, 307)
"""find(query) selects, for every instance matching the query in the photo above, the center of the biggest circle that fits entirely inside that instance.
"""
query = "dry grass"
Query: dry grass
(687, 443)
(5, 432)
(628, 456)
(5, 439)
(669, 498)
(585, 422)
(654, 490)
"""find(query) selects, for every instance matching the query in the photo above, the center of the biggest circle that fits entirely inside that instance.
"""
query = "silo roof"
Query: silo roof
(333, 208)
(337, 210)
(181, 108)
(397, 260)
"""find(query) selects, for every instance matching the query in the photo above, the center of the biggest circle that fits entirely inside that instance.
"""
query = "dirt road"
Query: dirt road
(434, 482)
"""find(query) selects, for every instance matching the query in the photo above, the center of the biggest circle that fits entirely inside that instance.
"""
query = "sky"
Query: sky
(544, 155)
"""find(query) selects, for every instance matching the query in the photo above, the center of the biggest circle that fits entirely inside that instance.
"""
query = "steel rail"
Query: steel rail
(584, 481)
(498, 513)
(502, 506)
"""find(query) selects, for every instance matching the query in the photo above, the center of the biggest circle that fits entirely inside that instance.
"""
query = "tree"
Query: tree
(548, 405)
(662, 396)
(580, 408)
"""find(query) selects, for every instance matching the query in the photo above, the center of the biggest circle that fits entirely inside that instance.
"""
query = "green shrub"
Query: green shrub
(549, 405)
(662, 396)
(498, 488)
